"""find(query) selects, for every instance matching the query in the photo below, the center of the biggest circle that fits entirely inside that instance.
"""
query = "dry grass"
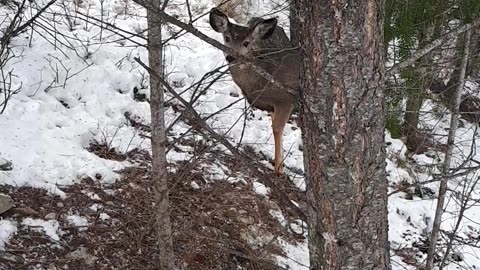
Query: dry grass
(220, 225)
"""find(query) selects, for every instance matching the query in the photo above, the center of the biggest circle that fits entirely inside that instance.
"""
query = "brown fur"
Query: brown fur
(272, 50)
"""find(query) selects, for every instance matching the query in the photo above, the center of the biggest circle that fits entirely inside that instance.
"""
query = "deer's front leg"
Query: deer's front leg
(279, 119)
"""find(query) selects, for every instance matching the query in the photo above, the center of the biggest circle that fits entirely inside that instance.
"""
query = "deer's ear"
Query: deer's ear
(218, 21)
(264, 29)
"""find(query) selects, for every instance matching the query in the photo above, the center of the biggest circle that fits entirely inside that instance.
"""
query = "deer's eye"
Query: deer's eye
(246, 43)
(227, 39)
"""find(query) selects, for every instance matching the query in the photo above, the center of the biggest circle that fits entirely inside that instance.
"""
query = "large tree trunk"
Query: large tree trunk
(342, 115)
(159, 161)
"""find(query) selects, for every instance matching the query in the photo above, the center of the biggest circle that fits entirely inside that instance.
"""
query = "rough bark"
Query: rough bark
(448, 154)
(342, 111)
(294, 24)
(411, 118)
(450, 91)
(159, 161)
(473, 67)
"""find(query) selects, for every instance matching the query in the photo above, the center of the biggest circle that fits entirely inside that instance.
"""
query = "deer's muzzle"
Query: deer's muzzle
(230, 58)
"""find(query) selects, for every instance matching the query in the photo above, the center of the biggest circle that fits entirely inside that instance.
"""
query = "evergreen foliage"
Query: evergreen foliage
(410, 25)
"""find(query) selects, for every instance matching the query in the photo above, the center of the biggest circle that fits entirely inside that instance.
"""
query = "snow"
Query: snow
(94, 207)
(296, 256)
(412, 218)
(50, 227)
(47, 141)
(92, 195)
(77, 220)
(260, 189)
(194, 185)
(7, 229)
(104, 216)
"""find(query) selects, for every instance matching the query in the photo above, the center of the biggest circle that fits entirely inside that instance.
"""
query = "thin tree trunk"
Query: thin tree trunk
(411, 119)
(422, 78)
(448, 155)
(473, 67)
(342, 110)
(294, 24)
(159, 161)
(415, 97)
(450, 92)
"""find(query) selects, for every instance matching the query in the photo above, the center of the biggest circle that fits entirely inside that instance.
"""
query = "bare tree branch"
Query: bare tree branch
(201, 122)
(448, 155)
(14, 31)
(434, 44)
(192, 30)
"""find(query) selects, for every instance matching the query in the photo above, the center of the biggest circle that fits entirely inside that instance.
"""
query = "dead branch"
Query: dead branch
(194, 31)
(221, 139)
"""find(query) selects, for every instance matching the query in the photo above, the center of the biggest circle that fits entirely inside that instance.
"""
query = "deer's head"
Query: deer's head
(243, 39)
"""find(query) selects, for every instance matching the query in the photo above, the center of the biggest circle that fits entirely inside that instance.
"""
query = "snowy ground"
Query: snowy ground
(72, 98)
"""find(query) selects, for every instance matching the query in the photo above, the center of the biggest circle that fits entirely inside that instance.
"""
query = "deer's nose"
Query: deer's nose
(230, 58)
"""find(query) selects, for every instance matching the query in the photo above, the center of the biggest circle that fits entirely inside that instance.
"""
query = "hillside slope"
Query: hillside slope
(77, 134)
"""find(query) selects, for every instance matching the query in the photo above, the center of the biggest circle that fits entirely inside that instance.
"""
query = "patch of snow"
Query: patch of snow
(260, 188)
(94, 207)
(216, 171)
(396, 148)
(7, 229)
(92, 195)
(77, 220)
(110, 192)
(396, 174)
(296, 256)
(104, 216)
(50, 227)
(194, 185)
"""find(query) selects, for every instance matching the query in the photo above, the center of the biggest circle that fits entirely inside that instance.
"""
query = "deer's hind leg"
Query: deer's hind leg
(280, 118)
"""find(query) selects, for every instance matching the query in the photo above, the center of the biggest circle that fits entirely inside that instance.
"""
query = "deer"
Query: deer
(268, 47)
